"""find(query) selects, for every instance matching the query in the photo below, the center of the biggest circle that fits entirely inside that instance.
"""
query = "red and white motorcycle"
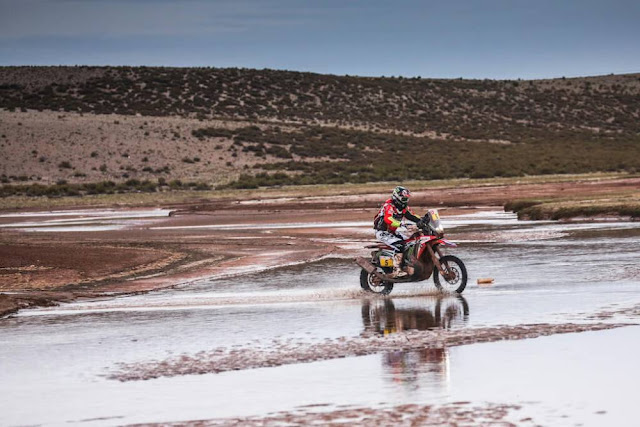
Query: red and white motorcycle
(423, 257)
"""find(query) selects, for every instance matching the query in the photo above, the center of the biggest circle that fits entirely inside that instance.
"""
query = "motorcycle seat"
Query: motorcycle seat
(378, 246)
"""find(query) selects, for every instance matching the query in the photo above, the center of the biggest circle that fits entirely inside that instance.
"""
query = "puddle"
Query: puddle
(450, 222)
(507, 372)
(80, 220)
(104, 213)
(74, 228)
(268, 226)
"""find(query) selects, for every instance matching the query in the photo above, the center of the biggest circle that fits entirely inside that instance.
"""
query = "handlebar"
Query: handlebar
(425, 226)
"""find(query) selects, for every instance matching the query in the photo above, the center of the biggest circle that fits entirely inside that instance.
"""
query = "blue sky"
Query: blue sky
(455, 38)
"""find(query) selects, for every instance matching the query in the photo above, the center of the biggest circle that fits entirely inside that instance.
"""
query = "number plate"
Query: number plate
(434, 215)
(386, 261)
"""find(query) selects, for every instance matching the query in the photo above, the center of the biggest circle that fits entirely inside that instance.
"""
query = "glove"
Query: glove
(411, 228)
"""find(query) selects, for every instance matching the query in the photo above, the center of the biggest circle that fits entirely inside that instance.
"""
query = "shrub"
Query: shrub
(175, 184)
(211, 133)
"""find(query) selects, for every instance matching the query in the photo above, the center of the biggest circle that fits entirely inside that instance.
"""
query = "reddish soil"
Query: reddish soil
(54, 265)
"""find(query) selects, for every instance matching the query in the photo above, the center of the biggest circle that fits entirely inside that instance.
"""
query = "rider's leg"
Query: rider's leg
(397, 265)
(388, 238)
(397, 244)
(398, 258)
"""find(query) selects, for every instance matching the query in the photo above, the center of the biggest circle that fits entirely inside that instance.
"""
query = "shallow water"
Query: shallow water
(56, 359)
(80, 220)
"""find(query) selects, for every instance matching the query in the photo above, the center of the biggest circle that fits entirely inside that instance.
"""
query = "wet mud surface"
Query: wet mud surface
(74, 264)
(283, 353)
(119, 251)
(454, 414)
(631, 313)
(92, 253)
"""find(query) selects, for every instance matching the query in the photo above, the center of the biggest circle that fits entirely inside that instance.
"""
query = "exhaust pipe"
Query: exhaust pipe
(366, 265)
(371, 269)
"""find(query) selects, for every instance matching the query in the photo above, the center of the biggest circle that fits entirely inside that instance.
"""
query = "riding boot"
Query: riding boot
(397, 265)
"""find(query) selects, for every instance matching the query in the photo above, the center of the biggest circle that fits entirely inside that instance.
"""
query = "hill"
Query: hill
(265, 127)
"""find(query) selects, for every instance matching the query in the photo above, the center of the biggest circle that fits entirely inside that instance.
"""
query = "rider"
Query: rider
(387, 222)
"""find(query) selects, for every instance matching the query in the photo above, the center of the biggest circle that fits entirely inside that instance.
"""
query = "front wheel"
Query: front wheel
(457, 275)
(370, 283)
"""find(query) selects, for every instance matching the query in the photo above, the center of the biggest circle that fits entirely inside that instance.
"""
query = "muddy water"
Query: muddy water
(55, 361)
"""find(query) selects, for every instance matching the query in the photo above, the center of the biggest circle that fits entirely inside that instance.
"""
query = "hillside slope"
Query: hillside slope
(83, 124)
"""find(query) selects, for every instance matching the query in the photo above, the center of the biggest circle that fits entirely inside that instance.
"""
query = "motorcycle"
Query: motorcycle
(423, 256)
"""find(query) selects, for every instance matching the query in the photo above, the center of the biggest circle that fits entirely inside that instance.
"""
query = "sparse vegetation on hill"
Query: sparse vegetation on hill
(473, 109)
(280, 127)
(62, 188)
(335, 156)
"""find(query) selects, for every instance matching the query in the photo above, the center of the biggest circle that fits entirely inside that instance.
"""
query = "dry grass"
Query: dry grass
(184, 196)
(624, 204)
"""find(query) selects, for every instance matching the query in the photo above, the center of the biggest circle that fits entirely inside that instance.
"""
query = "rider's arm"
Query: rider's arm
(389, 219)
(411, 217)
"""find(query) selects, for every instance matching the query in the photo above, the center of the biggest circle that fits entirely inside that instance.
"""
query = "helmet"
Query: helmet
(400, 197)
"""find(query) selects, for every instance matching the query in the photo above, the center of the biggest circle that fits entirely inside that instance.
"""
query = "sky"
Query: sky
(496, 39)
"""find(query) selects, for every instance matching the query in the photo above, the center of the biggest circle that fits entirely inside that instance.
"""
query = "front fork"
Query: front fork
(436, 261)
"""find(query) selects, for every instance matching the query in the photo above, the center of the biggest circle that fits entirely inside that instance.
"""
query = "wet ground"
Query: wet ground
(60, 364)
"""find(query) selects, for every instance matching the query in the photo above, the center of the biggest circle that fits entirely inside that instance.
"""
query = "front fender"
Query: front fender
(446, 243)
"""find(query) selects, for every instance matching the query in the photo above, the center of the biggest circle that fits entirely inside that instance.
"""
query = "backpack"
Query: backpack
(378, 221)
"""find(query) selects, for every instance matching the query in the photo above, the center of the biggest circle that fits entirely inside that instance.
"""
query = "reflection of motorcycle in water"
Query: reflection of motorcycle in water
(423, 257)
(383, 316)
(442, 311)
(406, 367)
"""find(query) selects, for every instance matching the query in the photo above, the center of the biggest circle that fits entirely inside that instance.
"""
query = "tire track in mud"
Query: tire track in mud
(278, 353)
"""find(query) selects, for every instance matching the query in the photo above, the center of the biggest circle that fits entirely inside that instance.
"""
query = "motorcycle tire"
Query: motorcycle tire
(457, 284)
(367, 283)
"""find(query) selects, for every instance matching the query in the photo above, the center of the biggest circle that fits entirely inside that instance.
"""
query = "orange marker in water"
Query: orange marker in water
(488, 281)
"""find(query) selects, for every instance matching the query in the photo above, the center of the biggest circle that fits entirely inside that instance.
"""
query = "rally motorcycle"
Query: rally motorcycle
(423, 257)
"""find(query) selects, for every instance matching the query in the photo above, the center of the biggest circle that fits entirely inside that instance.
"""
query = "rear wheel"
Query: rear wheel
(370, 283)
(456, 272)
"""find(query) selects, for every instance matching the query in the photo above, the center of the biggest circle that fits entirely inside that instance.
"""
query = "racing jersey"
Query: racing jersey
(390, 217)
